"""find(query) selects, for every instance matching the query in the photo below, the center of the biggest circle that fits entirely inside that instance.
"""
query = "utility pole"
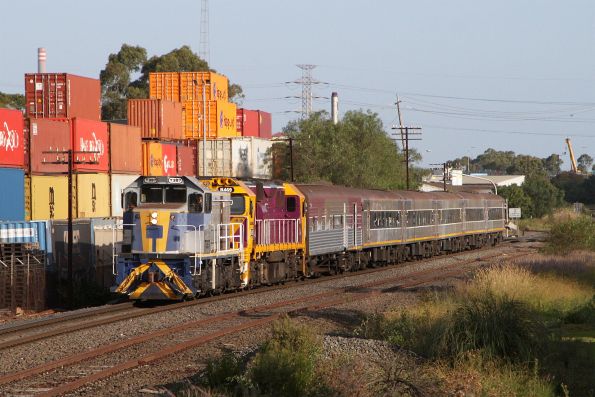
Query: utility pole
(204, 50)
(406, 133)
(444, 173)
(67, 158)
(400, 120)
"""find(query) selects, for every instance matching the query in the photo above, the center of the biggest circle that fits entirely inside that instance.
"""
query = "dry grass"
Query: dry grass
(577, 265)
(544, 293)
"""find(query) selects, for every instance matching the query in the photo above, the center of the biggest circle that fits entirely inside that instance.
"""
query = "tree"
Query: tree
(517, 198)
(527, 165)
(584, 162)
(116, 84)
(117, 78)
(545, 197)
(12, 101)
(355, 152)
(571, 184)
(552, 164)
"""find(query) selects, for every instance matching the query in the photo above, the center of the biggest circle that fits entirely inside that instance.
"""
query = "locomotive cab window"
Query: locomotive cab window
(238, 204)
(175, 194)
(151, 194)
(130, 200)
(195, 203)
(291, 204)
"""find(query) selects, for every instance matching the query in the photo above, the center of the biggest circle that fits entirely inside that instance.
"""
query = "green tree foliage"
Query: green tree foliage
(552, 164)
(517, 198)
(356, 152)
(545, 197)
(12, 101)
(116, 81)
(496, 162)
(527, 165)
(584, 162)
(576, 188)
(126, 76)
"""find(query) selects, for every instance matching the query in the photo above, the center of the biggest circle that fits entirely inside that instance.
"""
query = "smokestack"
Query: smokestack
(335, 107)
(41, 58)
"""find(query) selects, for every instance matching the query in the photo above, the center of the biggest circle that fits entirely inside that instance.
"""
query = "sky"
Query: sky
(510, 74)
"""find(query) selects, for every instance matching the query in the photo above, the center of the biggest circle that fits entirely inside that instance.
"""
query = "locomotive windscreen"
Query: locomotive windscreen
(158, 194)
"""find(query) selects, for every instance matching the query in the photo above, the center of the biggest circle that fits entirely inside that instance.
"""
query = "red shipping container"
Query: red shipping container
(126, 155)
(186, 160)
(247, 122)
(157, 118)
(265, 128)
(62, 95)
(48, 135)
(11, 139)
(90, 136)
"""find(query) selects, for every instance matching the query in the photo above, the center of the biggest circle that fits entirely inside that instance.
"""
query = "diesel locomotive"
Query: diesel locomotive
(186, 237)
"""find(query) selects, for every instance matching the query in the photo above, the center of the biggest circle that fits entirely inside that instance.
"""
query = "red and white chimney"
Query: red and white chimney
(41, 58)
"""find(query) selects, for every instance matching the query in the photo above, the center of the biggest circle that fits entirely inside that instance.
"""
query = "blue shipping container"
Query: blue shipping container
(36, 232)
(12, 194)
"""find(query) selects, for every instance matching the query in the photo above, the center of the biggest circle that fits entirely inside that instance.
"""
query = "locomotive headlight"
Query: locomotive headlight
(154, 215)
(153, 221)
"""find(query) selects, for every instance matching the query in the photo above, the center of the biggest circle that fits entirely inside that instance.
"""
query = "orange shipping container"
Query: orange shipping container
(220, 119)
(164, 86)
(157, 118)
(125, 149)
(159, 159)
(181, 86)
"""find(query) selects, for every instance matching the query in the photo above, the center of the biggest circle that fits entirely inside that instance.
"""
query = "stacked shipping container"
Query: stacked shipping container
(254, 123)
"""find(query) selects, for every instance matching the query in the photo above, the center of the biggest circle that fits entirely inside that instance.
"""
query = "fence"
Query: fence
(22, 280)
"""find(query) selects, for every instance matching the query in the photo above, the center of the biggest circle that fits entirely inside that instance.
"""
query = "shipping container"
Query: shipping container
(92, 195)
(214, 85)
(27, 194)
(48, 135)
(237, 157)
(90, 136)
(49, 197)
(186, 160)
(12, 194)
(220, 119)
(157, 118)
(35, 233)
(159, 159)
(11, 138)
(247, 122)
(62, 95)
(125, 149)
(119, 182)
(265, 128)
(164, 85)
(93, 249)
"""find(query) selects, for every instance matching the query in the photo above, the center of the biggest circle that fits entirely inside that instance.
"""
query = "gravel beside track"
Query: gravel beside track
(189, 361)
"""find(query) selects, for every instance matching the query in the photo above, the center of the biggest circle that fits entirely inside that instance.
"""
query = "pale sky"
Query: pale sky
(508, 74)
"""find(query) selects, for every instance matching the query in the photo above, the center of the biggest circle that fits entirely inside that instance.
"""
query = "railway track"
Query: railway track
(70, 373)
(36, 330)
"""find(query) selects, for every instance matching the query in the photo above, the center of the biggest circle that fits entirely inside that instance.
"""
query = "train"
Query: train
(185, 237)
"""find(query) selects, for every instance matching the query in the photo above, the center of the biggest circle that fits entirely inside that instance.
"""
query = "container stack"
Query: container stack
(12, 165)
(63, 112)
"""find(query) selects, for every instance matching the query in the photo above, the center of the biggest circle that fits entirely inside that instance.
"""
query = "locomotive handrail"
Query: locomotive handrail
(195, 244)
(277, 231)
(114, 233)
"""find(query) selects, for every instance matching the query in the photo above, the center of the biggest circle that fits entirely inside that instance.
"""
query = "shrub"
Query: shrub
(572, 233)
(286, 364)
(224, 373)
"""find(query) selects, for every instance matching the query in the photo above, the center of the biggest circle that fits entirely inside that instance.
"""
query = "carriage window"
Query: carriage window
(495, 214)
(208, 203)
(337, 221)
(474, 214)
(291, 204)
(195, 203)
(238, 205)
(450, 216)
(385, 219)
(175, 194)
(151, 194)
(420, 218)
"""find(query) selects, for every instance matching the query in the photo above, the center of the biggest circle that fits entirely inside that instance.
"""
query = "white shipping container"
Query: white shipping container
(261, 158)
(244, 157)
(118, 182)
(218, 154)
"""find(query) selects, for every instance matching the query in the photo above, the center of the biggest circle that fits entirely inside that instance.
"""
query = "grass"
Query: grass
(572, 233)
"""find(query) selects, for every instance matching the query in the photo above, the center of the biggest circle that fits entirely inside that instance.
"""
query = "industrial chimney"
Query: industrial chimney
(335, 107)
(41, 58)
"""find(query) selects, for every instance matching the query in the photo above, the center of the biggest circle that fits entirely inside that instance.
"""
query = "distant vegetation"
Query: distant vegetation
(12, 101)
(126, 76)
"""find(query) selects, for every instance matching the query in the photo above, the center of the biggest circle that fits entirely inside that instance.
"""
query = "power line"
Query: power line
(506, 131)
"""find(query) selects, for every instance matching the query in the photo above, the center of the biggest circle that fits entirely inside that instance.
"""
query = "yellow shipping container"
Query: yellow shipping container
(27, 198)
(92, 195)
(164, 86)
(220, 119)
(180, 86)
(49, 196)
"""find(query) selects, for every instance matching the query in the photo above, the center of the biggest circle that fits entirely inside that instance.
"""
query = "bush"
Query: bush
(224, 374)
(572, 234)
(286, 364)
